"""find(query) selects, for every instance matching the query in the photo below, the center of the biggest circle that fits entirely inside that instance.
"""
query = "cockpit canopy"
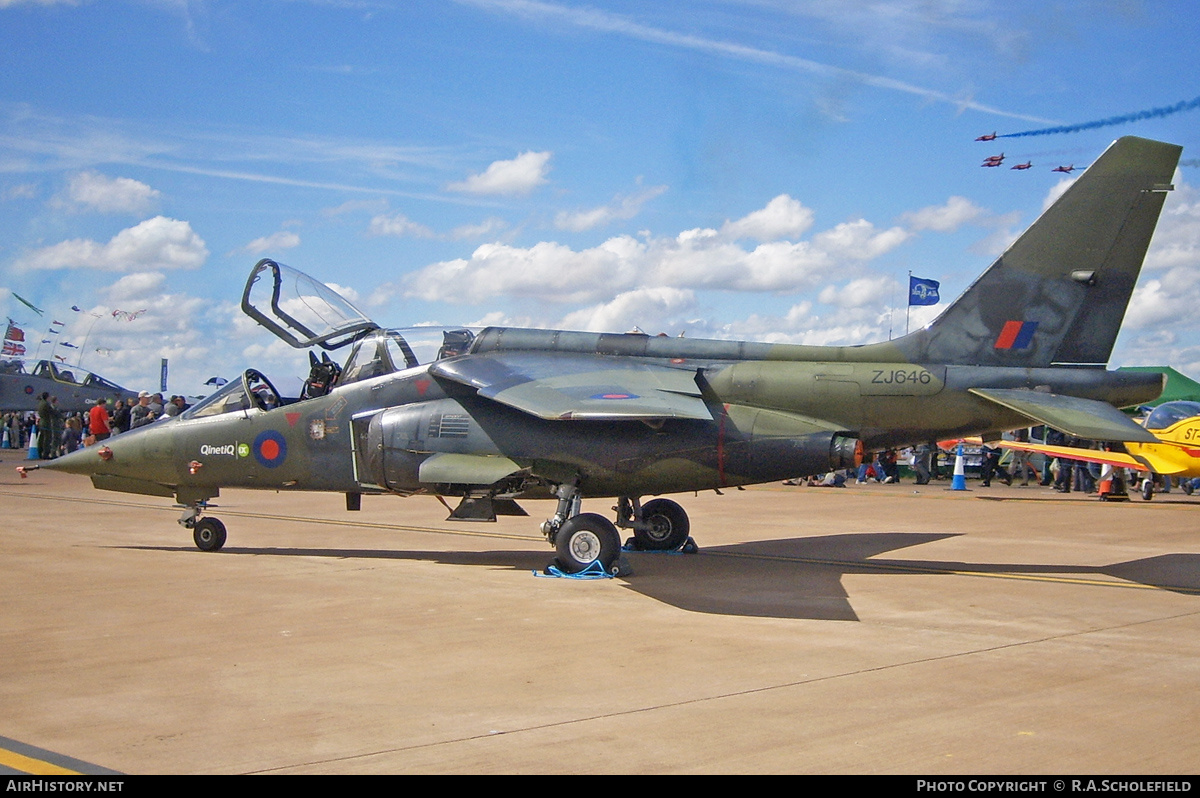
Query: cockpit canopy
(300, 310)
(1170, 413)
(386, 351)
(253, 390)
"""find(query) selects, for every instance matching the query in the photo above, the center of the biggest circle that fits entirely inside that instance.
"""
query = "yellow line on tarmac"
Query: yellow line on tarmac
(31, 766)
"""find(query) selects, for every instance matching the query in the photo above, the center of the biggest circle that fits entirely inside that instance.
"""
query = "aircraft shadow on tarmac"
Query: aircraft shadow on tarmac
(792, 578)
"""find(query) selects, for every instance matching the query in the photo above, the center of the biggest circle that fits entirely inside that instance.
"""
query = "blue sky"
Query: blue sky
(751, 169)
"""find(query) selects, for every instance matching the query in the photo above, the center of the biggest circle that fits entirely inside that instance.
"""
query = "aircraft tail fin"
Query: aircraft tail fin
(1058, 295)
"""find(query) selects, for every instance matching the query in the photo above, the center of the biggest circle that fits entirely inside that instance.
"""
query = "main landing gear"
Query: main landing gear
(589, 540)
(208, 533)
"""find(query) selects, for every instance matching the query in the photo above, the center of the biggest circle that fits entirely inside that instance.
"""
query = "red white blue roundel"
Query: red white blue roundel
(270, 448)
(614, 395)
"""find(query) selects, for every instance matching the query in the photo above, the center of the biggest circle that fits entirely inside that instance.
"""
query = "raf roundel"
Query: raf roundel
(270, 448)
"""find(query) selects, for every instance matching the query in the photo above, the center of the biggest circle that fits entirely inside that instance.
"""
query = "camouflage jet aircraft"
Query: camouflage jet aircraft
(77, 389)
(507, 414)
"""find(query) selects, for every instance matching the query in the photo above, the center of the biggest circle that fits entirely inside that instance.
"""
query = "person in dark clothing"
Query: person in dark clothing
(120, 417)
(991, 466)
(46, 416)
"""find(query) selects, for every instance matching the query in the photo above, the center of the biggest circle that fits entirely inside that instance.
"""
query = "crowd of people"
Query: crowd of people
(54, 432)
(928, 462)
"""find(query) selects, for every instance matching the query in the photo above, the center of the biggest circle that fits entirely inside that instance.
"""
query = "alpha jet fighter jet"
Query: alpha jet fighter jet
(503, 415)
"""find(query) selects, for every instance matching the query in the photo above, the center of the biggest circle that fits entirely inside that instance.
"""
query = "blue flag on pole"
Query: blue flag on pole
(922, 291)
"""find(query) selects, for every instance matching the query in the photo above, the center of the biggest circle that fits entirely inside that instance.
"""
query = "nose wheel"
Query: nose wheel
(209, 534)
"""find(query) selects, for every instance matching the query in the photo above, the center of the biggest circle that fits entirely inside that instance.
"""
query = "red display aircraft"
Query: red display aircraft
(1026, 165)
(1064, 169)
(991, 137)
(993, 160)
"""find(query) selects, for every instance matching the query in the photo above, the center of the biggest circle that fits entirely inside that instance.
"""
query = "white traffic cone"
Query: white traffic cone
(960, 474)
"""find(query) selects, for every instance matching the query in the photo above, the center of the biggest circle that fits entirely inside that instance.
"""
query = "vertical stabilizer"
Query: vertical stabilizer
(1059, 294)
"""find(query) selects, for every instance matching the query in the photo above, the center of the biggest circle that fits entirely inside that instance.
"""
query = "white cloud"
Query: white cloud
(862, 292)
(284, 239)
(157, 243)
(859, 240)
(139, 285)
(1176, 240)
(398, 225)
(521, 175)
(944, 218)
(643, 308)
(111, 194)
(1056, 191)
(622, 207)
(702, 258)
(345, 290)
(783, 217)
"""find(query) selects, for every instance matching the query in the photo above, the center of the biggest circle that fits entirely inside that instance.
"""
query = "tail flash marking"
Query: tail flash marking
(1016, 335)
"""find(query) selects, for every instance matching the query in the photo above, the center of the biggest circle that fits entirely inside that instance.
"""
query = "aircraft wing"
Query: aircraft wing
(1083, 418)
(1072, 453)
(566, 386)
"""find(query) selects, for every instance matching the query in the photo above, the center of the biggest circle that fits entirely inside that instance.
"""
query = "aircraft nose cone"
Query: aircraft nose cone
(87, 461)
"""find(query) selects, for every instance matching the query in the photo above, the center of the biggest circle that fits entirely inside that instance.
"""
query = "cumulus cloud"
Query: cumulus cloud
(783, 217)
(519, 176)
(702, 258)
(862, 292)
(284, 239)
(859, 240)
(622, 207)
(399, 225)
(1177, 238)
(94, 191)
(944, 218)
(157, 243)
(1056, 191)
(642, 308)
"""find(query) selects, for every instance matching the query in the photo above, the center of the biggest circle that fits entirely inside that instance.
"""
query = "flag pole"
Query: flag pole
(908, 306)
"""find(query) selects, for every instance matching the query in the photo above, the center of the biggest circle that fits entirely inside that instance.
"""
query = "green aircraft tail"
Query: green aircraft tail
(1058, 295)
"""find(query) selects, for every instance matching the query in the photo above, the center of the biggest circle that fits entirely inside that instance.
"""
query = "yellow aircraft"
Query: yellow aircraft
(1176, 454)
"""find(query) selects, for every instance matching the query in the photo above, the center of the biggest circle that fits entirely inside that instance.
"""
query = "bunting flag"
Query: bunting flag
(71, 346)
(51, 332)
(59, 323)
(77, 309)
(60, 358)
(28, 304)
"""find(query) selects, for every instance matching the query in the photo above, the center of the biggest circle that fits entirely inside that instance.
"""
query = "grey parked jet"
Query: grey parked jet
(507, 414)
(21, 385)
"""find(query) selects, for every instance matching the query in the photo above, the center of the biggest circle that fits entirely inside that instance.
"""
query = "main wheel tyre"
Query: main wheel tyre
(666, 526)
(1147, 489)
(209, 534)
(586, 539)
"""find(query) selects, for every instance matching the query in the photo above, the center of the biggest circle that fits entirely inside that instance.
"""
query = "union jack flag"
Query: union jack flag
(13, 349)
